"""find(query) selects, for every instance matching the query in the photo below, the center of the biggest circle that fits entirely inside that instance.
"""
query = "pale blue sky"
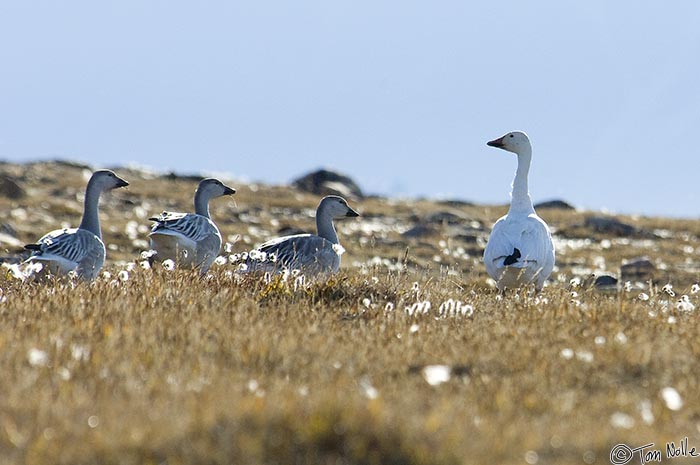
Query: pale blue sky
(400, 95)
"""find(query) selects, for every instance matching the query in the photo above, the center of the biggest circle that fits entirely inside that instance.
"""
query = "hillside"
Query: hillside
(407, 356)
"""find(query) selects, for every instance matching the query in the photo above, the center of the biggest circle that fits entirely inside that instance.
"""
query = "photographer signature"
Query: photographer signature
(622, 454)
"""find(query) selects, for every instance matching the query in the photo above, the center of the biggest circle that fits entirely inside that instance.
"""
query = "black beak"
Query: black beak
(122, 183)
(229, 190)
(352, 213)
(496, 142)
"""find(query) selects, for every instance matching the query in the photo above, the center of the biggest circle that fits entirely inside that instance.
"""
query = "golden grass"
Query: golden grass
(165, 367)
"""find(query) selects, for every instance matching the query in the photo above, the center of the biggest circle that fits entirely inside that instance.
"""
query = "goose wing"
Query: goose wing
(72, 248)
(187, 225)
(529, 235)
(304, 251)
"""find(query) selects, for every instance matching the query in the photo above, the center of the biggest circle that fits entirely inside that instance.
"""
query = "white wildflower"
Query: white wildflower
(436, 374)
(672, 398)
(668, 289)
(685, 305)
(37, 357)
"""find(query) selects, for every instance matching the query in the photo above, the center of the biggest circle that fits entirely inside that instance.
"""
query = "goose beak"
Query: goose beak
(122, 183)
(229, 190)
(496, 142)
(352, 213)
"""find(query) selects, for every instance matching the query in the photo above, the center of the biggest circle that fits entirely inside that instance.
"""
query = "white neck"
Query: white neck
(324, 226)
(521, 201)
(201, 203)
(91, 219)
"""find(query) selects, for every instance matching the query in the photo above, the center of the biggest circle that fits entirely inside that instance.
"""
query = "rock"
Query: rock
(10, 188)
(455, 203)
(605, 282)
(469, 238)
(555, 205)
(445, 217)
(7, 228)
(637, 269)
(324, 182)
(173, 176)
(419, 230)
(612, 226)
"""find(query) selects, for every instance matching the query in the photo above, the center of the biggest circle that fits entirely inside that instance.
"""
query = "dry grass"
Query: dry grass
(164, 367)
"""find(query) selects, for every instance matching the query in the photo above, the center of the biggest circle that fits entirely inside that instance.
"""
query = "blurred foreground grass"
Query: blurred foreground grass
(162, 367)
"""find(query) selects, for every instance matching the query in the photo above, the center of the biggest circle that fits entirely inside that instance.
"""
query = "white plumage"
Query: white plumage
(78, 249)
(312, 254)
(190, 239)
(520, 250)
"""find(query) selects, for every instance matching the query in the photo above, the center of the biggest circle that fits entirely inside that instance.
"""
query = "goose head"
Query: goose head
(212, 188)
(104, 180)
(516, 142)
(336, 207)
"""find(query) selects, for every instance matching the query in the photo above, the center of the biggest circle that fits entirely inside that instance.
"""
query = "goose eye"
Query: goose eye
(511, 136)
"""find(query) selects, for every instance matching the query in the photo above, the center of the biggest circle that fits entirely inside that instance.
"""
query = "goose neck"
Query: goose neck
(324, 226)
(91, 218)
(521, 200)
(201, 203)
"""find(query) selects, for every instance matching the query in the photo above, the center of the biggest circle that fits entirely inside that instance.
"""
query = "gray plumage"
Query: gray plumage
(190, 239)
(312, 254)
(78, 249)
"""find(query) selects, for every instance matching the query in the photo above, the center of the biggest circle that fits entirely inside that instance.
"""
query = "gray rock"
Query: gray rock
(325, 182)
(556, 204)
(637, 269)
(445, 217)
(10, 188)
(455, 203)
(419, 230)
(612, 226)
(605, 281)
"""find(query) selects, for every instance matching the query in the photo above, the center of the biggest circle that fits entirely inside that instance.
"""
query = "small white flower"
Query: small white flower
(695, 288)
(146, 254)
(123, 276)
(567, 354)
(220, 261)
(436, 374)
(672, 398)
(169, 264)
(643, 297)
(339, 249)
(37, 357)
(685, 305)
(668, 289)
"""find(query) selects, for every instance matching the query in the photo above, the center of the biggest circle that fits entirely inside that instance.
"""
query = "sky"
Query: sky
(400, 95)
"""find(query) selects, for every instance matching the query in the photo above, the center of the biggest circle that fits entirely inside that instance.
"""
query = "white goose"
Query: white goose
(190, 239)
(312, 254)
(78, 249)
(520, 249)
